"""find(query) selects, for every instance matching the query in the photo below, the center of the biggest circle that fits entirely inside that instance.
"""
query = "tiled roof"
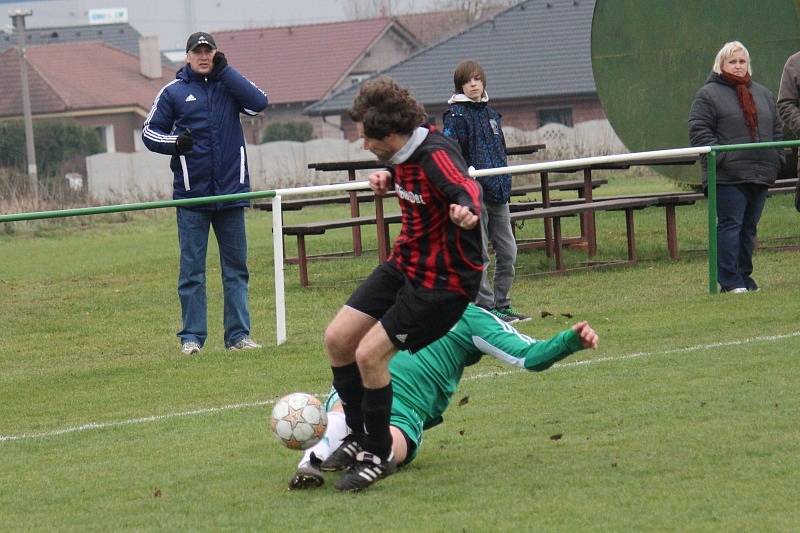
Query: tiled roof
(435, 26)
(122, 36)
(536, 48)
(76, 77)
(296, 64)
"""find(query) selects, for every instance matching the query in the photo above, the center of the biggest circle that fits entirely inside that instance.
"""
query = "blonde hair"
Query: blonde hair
(727, 51)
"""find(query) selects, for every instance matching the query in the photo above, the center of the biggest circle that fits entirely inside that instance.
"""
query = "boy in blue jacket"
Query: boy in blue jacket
(195, 119)
(476, 126)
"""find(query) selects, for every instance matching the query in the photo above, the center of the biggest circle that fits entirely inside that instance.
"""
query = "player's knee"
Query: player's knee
(366, 359)
(338, 346)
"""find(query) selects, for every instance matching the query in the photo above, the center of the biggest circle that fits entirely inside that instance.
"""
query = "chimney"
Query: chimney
(149, 57)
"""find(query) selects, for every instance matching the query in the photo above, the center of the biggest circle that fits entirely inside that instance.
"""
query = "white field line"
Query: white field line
(695, 348)
(246, 405)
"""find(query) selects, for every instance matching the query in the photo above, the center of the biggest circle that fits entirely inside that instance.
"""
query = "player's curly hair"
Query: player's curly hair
(384, 107)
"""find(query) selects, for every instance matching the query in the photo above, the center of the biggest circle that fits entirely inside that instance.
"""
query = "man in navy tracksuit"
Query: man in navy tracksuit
(195, 119)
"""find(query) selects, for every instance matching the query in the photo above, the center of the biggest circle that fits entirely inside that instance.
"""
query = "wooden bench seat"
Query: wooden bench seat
(320, 227)
(556, 213)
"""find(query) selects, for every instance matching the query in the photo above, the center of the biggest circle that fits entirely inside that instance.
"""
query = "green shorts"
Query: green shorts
(403, 418)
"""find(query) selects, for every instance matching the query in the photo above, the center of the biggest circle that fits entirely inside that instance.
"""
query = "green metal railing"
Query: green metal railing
(711, 178)
(99, 210)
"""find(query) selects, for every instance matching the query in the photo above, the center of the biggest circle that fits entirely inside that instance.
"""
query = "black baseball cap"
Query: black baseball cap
(198, 38)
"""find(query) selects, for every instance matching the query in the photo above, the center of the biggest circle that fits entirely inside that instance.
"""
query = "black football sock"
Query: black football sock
(377, 409)
(347, 382)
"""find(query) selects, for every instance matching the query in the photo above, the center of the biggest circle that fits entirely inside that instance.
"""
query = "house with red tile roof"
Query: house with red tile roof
(299, 65)
(94, 83)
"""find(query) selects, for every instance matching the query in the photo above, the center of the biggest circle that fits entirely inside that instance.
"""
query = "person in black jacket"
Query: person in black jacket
(420, 291)
(476, 126)
(731, 109)
(195, 119)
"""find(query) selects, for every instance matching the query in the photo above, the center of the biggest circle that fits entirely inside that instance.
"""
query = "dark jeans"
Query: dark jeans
(739, 209)
(229, 228)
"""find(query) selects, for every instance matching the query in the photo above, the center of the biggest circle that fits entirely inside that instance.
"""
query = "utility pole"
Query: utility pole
(18, 18)
(190, 21)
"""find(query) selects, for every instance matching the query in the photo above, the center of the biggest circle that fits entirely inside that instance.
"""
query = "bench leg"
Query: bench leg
(544, 181)
(355, 212)
(631, 235)
(588, 226)
(302, 260)
(672, 232)
(557, 249)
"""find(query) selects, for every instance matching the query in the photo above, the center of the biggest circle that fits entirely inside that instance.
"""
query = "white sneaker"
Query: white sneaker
(245, 344)
(738, 290)
(190, 348)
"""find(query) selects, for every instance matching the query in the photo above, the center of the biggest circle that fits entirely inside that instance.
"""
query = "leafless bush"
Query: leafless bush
(16, 196)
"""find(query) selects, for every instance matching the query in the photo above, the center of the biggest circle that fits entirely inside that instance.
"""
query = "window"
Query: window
(107, 137)
(561, 115)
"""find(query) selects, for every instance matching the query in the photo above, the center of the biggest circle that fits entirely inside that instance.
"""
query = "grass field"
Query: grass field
(685, 418)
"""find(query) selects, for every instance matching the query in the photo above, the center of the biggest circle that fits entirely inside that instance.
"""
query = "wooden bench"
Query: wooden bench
(320, 227)
(300, 230)
(556, 213)
(668, 200)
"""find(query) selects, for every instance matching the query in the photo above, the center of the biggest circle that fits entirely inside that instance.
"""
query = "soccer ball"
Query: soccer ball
(299, 420)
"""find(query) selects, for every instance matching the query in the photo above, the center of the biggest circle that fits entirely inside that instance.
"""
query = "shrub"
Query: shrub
(57, 143)
(288, 131)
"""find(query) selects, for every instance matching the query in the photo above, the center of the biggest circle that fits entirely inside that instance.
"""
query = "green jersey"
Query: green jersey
(426, 380)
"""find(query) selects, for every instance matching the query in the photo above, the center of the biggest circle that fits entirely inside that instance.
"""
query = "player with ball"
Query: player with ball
(425, 381)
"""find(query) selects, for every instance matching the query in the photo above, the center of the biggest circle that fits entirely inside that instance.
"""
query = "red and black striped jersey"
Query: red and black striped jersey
(431, 250)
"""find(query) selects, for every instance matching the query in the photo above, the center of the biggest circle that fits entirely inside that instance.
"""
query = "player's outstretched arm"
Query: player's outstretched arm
(498, 339)
(586, 334)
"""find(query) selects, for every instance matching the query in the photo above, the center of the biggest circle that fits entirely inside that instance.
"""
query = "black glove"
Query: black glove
(184, 142)
(220, 62)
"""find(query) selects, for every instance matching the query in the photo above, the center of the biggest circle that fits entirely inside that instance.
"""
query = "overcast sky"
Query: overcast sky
(173, 20)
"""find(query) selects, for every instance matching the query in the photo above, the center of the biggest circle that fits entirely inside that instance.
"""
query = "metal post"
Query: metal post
(18, 18)
(280, 287)
(711, 181)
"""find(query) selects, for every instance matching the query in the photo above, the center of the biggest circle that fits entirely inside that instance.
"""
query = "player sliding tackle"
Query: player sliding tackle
(424, 383)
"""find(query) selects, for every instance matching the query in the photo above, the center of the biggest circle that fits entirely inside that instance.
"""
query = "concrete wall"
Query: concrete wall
(146, 175)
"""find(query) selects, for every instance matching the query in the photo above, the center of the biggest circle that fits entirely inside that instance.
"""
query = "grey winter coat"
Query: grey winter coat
(716, 118)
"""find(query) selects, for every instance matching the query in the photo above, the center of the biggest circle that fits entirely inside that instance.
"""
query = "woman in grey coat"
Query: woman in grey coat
(730, 108)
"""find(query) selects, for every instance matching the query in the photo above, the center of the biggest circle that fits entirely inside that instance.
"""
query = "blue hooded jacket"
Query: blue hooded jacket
(209, 106)
(476, 127)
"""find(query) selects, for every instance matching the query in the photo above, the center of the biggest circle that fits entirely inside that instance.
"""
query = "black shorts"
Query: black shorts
(413, 317)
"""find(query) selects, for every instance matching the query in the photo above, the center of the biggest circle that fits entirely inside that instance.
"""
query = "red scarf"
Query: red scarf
(746, 102)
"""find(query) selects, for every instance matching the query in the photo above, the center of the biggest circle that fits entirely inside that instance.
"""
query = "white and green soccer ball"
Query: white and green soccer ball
(299, 420)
